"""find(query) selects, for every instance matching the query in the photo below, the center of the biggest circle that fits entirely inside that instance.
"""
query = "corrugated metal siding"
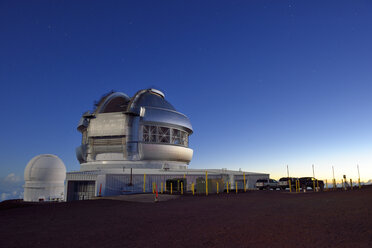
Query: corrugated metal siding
(117, 184)
(107, 124)
(82, 176)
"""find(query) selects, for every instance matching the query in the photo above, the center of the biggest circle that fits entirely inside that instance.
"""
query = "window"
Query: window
(146, 134)
(184, 138)
(164, 134)
(153, 134)
(149, 134)
(176, 137)
(156, 134)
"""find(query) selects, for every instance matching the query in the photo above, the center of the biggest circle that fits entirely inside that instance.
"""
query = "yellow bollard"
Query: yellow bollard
(334, 184)
(217, 188)
(317, 185)
(236, 187)
(227, 186)
(206, 183)
(144, 183)
(181, 188)
(193, 189)
(326, 188)
(314, 185)
(153, 188)
(245, 189)
(161, 190)
(296, 186)
(171, 188)
(290, 186)
(360, 186)
(351, 184)
(345, 184)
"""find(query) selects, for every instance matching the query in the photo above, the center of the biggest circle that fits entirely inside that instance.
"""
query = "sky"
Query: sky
(265, 84)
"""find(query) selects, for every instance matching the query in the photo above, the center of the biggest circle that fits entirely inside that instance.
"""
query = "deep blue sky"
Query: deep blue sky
(265, 83)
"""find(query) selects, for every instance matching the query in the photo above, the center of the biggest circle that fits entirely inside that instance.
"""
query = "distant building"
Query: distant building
(130, 144)
(44, 179)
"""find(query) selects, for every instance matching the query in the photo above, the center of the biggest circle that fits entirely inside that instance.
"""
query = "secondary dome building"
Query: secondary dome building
(132, 144)
(44, 179)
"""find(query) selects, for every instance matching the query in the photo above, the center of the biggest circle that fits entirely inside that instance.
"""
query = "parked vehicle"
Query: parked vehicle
(284, 182)
(266, 184)
(306, 182)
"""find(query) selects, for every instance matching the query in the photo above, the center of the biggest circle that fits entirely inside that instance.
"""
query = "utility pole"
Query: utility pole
(289, 181)
(314, 180)
(334, 180)
(333, 171)
(313, 172)
(358, 177)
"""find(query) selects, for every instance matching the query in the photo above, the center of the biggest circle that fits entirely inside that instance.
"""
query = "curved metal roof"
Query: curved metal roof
(114, 102)
(149, 98)
(157, 109)
(167, 117)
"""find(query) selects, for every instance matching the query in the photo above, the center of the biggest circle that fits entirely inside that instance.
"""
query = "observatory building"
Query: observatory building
(144, 131)
(130, 144)
(44, 179)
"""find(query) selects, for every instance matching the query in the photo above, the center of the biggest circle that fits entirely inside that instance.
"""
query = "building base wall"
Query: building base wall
(43, 192)
(87, 185)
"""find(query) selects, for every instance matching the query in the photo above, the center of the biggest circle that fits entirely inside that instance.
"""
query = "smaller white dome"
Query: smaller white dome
(44, 178)
(45, 168)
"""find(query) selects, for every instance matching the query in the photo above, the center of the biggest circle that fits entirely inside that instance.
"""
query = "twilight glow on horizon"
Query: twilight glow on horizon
(265, 84)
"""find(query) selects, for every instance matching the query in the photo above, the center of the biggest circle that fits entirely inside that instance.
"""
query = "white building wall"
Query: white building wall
(43, 192)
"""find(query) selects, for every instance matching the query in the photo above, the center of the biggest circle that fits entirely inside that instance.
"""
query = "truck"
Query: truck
(284, 182)
(306, 182)
(267, 184)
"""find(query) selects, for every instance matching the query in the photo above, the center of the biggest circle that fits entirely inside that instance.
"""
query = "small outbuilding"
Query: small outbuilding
(44, 175)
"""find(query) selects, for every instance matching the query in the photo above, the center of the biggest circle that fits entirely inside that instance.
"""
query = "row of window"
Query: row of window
(156, 134)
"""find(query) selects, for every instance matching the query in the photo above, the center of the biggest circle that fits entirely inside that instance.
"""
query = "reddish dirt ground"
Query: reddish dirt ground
(252, 219)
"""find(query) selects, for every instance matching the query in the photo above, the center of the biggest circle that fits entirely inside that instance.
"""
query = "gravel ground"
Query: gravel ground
(252, 219)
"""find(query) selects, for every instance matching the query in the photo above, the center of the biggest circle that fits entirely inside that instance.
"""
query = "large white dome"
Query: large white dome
(45, 175)
(45, 167)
